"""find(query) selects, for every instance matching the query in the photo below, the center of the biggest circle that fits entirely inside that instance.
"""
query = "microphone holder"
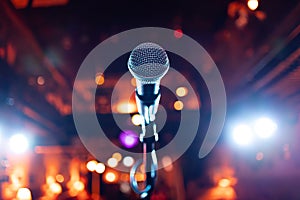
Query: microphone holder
(148, 137)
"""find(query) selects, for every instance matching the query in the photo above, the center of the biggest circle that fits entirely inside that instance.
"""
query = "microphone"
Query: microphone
(148, 63)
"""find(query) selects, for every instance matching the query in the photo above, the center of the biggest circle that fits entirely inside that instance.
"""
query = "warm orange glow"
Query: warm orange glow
(117, 156)
(91, 165)
(259, 156)
(137, 119)
(55, 188)
(178, 105)
(110, 177)
(133, 82)
(181, 91)
(112, 162)
(78, 185)
(100, 168)
(252, 4)
(224, 182)
(40, 80)
(24, 194)
(59, 178)
(50, 180)
(99, 79)
(167, 163)
(126, 107)
(140, 177)
(124, 177)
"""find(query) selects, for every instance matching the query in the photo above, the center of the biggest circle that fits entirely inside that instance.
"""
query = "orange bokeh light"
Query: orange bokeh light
(224, 182)
(178, 105)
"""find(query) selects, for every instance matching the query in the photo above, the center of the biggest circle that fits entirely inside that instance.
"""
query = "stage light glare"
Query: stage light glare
(18, 143)
(24, 194)
(265, 127)
(242, 134)
(252, 4)
(112, 162)
(91, 165)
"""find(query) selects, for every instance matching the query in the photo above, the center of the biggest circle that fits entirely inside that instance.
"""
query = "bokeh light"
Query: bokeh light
(126, 107)
(133, 82)
(99, 79)
(125, 187)
(128, 161)
(178, 105)
(224, 182)
(128, 139)
(18, 143)
(59, 178)
(167, 163)
(259, 156)
(112, 162)
(78, 185)
(265, 127)
(137, 119)
(91, 165)
(110, 177)
(55, 188)
(100, 168)
(181, 91)
(252, 4)
(242, 134)
(117, 156)
(24, 194)
(178, 33)
(40, 80)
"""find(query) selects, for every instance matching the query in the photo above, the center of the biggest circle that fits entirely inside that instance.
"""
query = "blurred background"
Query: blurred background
(255, 45)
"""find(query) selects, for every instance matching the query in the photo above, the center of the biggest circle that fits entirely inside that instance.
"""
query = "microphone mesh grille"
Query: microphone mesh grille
(148, 62)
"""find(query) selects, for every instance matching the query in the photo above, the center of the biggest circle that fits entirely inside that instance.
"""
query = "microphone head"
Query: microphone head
(148, 63)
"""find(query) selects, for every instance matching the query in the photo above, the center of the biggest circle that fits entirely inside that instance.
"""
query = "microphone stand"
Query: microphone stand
(148, 137)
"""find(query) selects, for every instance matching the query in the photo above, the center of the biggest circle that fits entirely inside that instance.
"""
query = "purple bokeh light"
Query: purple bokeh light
(128, 138)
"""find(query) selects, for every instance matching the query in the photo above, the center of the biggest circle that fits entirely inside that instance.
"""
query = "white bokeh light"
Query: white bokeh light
(18, 143)
(265, 127)
(242, 134)
(112, 162)
(128, 161)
